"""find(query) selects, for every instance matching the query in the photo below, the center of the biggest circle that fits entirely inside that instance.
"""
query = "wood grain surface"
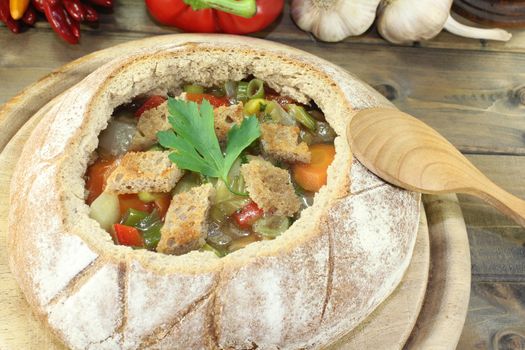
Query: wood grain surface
(471, 91)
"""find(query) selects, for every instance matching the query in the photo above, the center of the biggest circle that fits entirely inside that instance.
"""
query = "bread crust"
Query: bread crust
(305, 289)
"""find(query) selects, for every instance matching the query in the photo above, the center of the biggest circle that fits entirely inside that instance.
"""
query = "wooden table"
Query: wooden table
(471, 91)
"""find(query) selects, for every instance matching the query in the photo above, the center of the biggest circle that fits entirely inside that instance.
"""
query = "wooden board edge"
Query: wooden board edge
(444, 311)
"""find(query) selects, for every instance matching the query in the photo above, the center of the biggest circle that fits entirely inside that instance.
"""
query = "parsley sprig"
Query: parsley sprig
(195, 144)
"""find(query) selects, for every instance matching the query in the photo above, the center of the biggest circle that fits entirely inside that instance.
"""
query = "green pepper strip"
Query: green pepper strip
(242, 91)
(150, 227)
(303, 117)
(243, 8)
(133, 217)
(256, 89)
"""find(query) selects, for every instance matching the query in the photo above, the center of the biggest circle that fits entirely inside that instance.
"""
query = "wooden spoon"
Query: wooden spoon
(410, 154)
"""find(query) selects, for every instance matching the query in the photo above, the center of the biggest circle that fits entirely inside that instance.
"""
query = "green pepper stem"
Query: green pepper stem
(242, 8)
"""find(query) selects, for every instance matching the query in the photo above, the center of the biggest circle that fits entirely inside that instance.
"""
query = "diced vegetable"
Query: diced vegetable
(147, 197)
(216, 91)
(97, 175)
(299, 113)
(225, 202)
(150, 228)
(230, 87)
(276, 114)
(127, 235)
(271, 226)
(242, 91)
(116, 138)
(152, 102)
(248, 215)
(254, 106)
(217, 252)
(133, 217)
(128, 201)
(255, 89)
(194, 89)
(105, 210)
(213, 100)
(162, 203)
(218, 240)
(188, 181)
(313, 176)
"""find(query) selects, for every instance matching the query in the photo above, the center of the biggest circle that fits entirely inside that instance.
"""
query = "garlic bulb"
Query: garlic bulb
(334, 20)
(403, 21)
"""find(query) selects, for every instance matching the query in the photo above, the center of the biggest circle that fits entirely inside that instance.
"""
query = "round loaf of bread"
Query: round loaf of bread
(303, 290)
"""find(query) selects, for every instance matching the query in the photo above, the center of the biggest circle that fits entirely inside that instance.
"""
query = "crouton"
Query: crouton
(270, 187)
(150, 122)
(225, 117)
(144, 171)
(280, 142)
(186, 225)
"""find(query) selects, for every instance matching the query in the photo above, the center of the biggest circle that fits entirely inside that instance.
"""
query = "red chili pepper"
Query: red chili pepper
(247, 216)
(75, 9)
(213, 100)
(91, 13)
(210, 16)
(103, 3)
(29, 17)
(5, 16)
(60, 22)
(39, 5)
(128, 235)
(152, 102)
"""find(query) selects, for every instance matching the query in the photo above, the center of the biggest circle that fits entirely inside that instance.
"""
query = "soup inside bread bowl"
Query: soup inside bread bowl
(340, 257)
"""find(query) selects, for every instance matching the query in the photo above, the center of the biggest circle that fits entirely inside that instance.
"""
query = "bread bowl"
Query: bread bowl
(292, 292)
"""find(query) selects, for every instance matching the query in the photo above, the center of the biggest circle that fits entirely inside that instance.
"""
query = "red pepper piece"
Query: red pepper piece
(60, 22)
(103, 3)
(210, 16)
(29, 17)
(75, 9)
(152, 102)
(247, 216)
(128, 235)
(39, 5)
(75, 27)
(5, 16)
(91, 13)
(127, 201)
(213, 100)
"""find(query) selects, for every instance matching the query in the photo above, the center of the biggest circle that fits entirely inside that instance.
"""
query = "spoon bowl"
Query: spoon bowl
(410, 154)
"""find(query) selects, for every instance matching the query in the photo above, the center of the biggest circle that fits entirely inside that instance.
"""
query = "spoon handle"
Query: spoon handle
(507, 203)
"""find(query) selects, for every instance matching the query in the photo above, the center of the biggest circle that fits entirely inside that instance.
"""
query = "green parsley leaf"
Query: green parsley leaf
(195, 144)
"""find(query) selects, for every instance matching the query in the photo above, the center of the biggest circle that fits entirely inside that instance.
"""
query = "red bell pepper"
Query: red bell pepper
(152, 102)
(247, 216)
(216, 16)
(213, 100)
(128, 235)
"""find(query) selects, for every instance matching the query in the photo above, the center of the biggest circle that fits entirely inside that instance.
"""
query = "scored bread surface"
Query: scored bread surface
(303, 290)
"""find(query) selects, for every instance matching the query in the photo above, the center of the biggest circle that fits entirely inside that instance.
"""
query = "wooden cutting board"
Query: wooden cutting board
(443, 298)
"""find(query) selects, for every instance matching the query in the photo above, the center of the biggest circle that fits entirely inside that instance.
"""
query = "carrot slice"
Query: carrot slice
(313, 176)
